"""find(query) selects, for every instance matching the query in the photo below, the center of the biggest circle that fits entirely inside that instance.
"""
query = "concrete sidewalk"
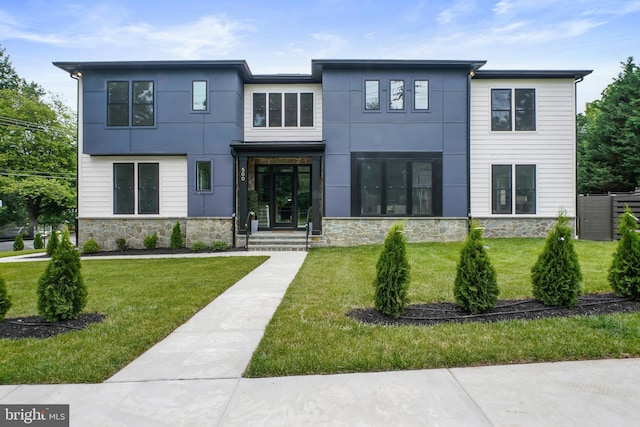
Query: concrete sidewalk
(193, 378)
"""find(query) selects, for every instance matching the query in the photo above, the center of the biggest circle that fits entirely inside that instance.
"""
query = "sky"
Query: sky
(284, 36)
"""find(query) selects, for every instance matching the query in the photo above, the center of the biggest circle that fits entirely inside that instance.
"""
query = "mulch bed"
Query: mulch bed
(35, 327)
(527, 309)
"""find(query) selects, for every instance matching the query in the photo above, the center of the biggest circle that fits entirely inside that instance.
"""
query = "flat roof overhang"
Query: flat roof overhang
(277, 148)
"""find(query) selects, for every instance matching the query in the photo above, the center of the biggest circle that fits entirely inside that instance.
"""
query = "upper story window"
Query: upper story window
(421, 95)
(137, 109)
(372, 95)
(199, 95)
(290, 109)
(396, 95)
(504, 103)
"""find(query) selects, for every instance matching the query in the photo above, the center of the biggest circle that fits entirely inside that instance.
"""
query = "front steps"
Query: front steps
(275, 241)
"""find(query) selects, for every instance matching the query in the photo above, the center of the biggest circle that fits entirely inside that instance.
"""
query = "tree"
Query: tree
(609, 136)
(392, 274)
(624, 272)
(61, 290)
(556, 275)
(475, 287)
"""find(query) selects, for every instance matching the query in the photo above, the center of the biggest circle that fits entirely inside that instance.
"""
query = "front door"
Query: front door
(283, 200)
(284, 195)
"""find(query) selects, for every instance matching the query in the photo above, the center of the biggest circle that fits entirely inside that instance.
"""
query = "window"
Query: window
(502, 189)
(203, 176)
(400, 186)
(372, 95)
(296, 111)
(396, 95)
(503, 103)
(124, 185)
(421, 95)
(142, 103)
(199, 95)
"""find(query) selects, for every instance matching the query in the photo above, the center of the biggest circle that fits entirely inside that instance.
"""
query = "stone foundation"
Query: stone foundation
(105, 231)
(519, 227)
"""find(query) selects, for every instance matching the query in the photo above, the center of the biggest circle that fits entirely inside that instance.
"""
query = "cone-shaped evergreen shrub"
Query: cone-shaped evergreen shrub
(53, 242)
(37, 241)
(176, 237)
(5, 299)
(556, 274)
(61, 290)
(151, 241)
(475, 287)
(18, 244)
(392, 274)
(624, 272)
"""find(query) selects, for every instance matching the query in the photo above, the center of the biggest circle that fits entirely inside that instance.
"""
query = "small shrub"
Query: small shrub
(37, 241)
(18, 244)
(624, 272)
(61, 290)
(392, 274)
(90, 247)
(198, 246)
(475, 287)
(122, 244)
(5, 299)
(151, 241)
(556, 275)
(53, 242)
(176, 237)
(219, 246)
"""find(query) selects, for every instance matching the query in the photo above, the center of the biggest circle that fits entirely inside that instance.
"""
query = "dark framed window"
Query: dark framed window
(142, 104)
(203, 176)
(306, 109)
(525, 189)
(525, 108)
(421, 95)
(275, 110)
(501, 109)
(396, 95)
(505, 198)
(148, 188)
(199, 95)
(117, 103)
(291, 109)
(501, 189)
(513, 109)
(372, 95)
(123, 188)
(259, 109)
(396, 184)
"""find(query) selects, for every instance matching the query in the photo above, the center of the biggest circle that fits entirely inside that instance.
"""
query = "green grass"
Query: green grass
(6, 254)
(143, 300)
(310, 333)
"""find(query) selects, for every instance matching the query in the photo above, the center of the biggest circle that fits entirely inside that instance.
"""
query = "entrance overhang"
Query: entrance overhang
(277, 149)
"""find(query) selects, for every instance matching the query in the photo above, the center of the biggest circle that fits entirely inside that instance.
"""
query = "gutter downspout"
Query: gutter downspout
(575, 135)
(469, 76)
(78, 77)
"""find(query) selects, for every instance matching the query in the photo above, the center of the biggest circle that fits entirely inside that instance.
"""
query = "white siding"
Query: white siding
(263, 134)
(551, 147)
(95, 193)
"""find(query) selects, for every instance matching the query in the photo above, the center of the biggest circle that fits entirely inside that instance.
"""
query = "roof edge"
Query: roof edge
(531, 74)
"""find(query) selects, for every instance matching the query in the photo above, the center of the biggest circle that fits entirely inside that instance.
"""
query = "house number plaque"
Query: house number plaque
(243, 174)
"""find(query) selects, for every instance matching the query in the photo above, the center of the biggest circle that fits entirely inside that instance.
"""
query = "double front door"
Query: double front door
(284, 195)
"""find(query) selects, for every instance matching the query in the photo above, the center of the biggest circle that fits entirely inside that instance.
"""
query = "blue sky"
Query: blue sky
(283, 36)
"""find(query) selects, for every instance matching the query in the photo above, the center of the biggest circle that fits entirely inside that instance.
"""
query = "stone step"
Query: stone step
(269, 241)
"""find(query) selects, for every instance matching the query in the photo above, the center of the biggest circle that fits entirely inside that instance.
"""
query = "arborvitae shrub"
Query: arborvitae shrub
(18, 244)
(176, 237)
(151, 241)
(53, 242)
(61, 290)
(37, 242)
(219, 246)
(198, 246)
(5, 299)
(475, 286)
(90, 247)
(392, 274)
(624, 272)
(122, 244)
(556, 274)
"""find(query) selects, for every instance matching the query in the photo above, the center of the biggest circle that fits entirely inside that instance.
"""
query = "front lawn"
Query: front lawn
(310, 333)
(143, 300)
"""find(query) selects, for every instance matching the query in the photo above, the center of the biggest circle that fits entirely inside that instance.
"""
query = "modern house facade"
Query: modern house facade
(352, 147)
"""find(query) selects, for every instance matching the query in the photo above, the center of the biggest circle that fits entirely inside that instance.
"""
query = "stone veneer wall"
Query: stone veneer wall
(105, 231)
(364, 231)
(518, 227)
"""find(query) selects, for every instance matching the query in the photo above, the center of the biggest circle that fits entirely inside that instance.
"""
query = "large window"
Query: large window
(509, 196)
(278, 109)
(372, 95)
(421, 95)
(504, 104)
(396, 95)
(199, 95)
(124, 185)
(396, 184)
(141, 108)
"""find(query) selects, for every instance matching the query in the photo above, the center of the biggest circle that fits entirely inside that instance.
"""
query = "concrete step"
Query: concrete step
(276, 241)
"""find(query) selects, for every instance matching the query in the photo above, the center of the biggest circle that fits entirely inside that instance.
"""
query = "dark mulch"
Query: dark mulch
(528, 309)
(157, 251)
(35, 327)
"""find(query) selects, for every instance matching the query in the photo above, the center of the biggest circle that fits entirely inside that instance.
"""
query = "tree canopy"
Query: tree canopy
(609, 136)
(37, 151)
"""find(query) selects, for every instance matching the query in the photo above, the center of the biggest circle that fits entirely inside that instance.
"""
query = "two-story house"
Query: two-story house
(353, 146)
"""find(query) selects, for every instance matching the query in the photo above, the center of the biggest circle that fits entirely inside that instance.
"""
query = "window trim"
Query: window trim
(415, 92)
(127, 104)
(365, 93)
(283, 110)
(135, 188)
(206, 96)
(514, 189)
(152, 103)
(197, 183)
(404, 96)
(513, 109)
(130, 104)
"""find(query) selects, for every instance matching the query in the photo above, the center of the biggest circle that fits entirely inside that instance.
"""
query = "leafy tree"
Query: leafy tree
(475, 287)
(61, 290)
(624, 272)
(609, 136)
(392, 274)
(5, 299)
(176, 237)
(556, 275)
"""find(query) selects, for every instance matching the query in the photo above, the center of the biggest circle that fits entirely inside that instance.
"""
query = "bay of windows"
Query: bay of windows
(278, 109)
(131, 189)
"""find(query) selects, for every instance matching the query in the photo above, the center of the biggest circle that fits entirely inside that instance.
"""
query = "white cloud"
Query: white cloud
(459, 8)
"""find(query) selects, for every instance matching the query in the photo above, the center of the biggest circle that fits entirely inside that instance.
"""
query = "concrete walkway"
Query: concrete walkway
(193, 378)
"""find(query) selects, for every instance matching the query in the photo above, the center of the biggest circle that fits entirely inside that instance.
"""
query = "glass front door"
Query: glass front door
(284, 195)
(284, 203)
